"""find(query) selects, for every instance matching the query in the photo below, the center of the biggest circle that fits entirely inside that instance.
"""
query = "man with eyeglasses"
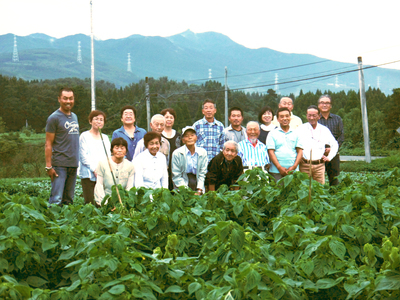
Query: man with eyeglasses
(316, 139)
(295, 121)
(335, 125)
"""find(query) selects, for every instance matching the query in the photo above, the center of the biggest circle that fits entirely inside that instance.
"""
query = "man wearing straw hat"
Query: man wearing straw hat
(317, 139)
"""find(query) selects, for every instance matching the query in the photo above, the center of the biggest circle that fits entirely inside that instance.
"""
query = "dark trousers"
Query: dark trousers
(88, 190)
(333, 170)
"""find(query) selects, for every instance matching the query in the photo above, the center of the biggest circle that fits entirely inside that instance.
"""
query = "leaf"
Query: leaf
(35, 281)
(291, 230)
(193, 287)
(327, 283)
(287, 180)
(238, 237)
(125, 231)
(308, 267)
(74, 263)
(73, 286)
(388, 283)
(3, 264)
(238, 208)
(117, 289)
(338, 248)
(372, 201)
(151, 222)
(253, 279)
(200, 269)
(349, 230)
(14, 230)
(354, 289)
(174, 289)
(197, 211)
(67, 254)
(48, 244)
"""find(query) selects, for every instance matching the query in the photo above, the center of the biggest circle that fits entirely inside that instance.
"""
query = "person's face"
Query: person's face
(229, 152)
(189, 138)
(209, 110)
(153, 146)
(158, 125)
(66, 101)
(128, 117)
(267, 117)
(286, 102)
(253, 131)
(97, 122)
(169, 120)
(324, 105)
(119, 151)
(284, 118)
(312, 116)
(236, 118)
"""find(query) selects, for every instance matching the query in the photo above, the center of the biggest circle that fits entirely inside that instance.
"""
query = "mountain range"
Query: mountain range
(186, 56)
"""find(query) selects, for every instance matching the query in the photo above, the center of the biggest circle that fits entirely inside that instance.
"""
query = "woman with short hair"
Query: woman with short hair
(265, 118)
(173, 137)
(91, 151)
(151, 165)
(122, 169)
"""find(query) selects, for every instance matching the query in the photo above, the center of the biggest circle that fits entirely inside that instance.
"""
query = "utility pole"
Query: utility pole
(364, 111)
(226, 97)
(148, 103)
(92, 46)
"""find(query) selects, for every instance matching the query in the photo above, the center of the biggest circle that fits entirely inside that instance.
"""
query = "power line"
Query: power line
(266, 71)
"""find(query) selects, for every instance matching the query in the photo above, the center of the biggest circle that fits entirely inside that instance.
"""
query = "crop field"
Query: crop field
(264, 241)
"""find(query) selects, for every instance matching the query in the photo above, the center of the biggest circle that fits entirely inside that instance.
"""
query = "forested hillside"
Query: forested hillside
(32, 102)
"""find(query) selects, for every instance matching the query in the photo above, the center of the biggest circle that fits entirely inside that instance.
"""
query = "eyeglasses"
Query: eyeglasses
(312, 116)
(325, 103)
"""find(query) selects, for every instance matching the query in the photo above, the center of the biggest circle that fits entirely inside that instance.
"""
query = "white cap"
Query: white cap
(188, 128)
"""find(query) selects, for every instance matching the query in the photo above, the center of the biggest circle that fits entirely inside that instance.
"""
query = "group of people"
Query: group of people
(203, 157)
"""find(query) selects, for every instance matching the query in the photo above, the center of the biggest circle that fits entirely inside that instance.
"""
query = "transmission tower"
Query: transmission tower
(79, 52)
(276, 87)
(209, 73)
(15, 52)
(129, 63)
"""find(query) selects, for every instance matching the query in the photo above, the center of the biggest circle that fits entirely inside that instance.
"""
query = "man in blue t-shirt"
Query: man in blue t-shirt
(62, 149)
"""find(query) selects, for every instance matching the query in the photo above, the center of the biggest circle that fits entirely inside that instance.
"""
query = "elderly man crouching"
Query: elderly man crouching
(225, 168)
(254, 154)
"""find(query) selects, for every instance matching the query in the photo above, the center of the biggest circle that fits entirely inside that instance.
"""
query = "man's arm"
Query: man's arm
(340, 139)
(297, 161)
(48, 149)
(283, 171)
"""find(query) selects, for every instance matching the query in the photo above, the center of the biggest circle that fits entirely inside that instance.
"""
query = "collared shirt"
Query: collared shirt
(210, 136)
(335, 125)
(132, 142)
(253, 156)
(234, 135)
(151, 170)
(295, 121)
(284, 144)
(315, 140)
(191, 162)
(164, 148)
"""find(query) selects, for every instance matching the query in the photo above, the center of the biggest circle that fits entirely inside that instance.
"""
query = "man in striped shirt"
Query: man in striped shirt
(209, 131)
(253, 152)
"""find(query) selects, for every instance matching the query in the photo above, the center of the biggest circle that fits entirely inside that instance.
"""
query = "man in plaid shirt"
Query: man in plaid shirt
(209, 131)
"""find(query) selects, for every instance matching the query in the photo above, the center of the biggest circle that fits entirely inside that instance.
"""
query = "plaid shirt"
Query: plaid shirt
(210, 136)
(335, 125)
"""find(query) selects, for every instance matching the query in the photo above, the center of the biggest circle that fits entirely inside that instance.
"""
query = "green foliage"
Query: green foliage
(376, 165)
(264, 241)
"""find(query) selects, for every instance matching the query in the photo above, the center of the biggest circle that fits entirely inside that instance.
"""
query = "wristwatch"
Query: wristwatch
(48, 168)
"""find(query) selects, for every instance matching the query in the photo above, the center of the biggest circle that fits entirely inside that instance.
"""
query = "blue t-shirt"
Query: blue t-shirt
(284, 144)
(66, 140)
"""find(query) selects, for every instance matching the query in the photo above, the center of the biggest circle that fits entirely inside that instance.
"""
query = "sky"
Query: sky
(339, 30)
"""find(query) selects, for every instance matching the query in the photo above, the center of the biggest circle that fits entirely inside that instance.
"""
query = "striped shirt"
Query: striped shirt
(210, 136)
(335, 125)
(253, 156)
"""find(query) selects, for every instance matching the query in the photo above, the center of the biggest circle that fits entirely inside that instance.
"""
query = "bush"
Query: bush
(376, 165)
